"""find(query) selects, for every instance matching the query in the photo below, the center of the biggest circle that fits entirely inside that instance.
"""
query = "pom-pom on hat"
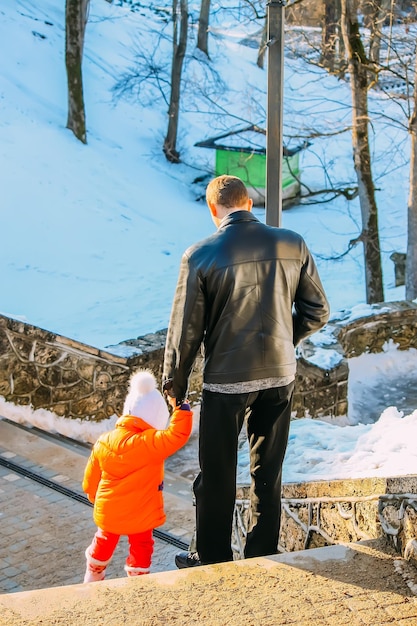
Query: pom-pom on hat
(145, 401)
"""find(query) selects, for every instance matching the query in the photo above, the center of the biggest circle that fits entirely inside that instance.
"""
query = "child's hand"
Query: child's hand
(171, 401)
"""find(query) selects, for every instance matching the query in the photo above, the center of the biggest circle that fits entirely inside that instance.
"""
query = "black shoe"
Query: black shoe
(187, 559)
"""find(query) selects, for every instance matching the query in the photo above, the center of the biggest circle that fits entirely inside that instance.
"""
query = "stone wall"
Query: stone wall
(49, 371)
(322, 389)
(322, 513)
(44, 370)
(71, 379)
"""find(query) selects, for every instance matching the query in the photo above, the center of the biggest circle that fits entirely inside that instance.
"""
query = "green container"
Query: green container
(251, 168)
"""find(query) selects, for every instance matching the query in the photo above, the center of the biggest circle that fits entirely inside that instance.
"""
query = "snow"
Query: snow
(373, 440)
(92, 235)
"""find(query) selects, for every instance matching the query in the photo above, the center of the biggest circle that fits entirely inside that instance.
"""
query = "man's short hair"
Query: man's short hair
(227, 191)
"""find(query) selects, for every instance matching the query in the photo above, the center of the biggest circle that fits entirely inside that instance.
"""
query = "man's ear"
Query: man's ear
(213, 209)
(250, 204)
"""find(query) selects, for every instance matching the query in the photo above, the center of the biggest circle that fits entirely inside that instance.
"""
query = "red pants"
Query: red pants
(140, 548)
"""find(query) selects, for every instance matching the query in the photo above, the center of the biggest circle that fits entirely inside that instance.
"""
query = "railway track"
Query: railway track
(70, 493)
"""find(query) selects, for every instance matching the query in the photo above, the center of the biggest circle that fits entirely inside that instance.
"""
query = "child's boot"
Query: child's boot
(95, 570)
(136, 571)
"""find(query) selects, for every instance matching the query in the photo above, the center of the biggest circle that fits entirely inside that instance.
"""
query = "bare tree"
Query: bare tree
(358, 70)
(378, 13)
(203, 27)
(411, 261)
(76, 15)
(332, 42)
(180, 35)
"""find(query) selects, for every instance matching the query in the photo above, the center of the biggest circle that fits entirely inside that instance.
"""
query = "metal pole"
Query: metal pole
(274, 144)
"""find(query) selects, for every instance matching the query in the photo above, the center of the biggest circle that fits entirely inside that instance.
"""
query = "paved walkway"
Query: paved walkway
(44, 534)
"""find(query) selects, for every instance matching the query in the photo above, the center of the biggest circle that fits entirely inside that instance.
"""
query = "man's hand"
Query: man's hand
(167, 390)
(167, 387)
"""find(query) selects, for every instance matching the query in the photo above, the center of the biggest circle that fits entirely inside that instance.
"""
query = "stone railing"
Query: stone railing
(71, 379)
(44, 370)
(68, 378)
(322, 365)
(322, 513)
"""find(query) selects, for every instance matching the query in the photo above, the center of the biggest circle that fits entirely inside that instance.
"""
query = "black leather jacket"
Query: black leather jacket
(250, 293)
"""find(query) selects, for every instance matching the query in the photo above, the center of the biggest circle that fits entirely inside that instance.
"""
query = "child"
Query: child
(124, 476)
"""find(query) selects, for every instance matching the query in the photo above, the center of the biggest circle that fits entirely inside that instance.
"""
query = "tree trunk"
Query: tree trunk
(378, 15)
(361, 153)
(203, 27)
(179, 48)
(332, 42)
(411, 261)
(76, 12)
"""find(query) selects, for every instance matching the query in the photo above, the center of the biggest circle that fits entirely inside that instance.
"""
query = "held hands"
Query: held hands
(173, 402)
(167, 391)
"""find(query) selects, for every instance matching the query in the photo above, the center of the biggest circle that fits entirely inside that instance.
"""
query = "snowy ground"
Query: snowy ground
(92, 235)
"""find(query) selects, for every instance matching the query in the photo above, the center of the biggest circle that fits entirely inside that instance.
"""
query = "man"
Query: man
(250, 293)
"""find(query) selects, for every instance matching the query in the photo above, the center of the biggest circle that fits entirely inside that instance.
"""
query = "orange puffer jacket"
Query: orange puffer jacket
(124, 474)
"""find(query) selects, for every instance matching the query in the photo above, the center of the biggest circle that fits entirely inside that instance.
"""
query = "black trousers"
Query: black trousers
(222, 416)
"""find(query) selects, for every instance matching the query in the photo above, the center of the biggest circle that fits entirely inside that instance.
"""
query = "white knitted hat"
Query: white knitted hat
(145, 401)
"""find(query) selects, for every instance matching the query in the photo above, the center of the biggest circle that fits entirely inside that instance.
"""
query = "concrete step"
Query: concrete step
(355, 584)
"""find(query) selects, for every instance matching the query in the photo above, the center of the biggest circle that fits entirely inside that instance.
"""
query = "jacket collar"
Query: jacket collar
(238, 216)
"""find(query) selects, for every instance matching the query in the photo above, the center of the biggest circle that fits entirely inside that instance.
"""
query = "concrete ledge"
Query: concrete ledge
(351, 583)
